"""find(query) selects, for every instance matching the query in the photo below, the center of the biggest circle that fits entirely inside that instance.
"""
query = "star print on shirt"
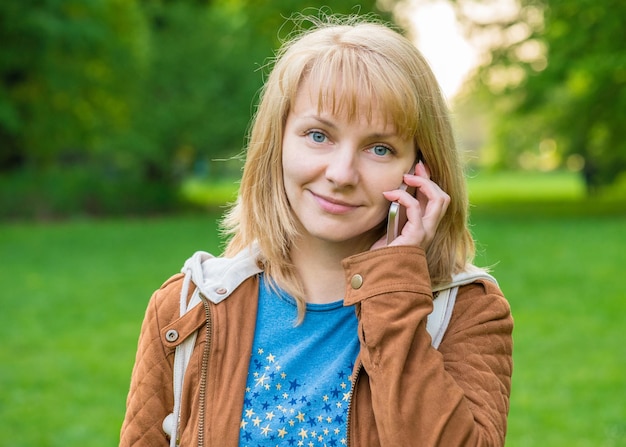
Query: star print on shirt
(299, 416)
(299, 382)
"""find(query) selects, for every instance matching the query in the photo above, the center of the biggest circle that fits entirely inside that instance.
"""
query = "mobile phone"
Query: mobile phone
(397, 213)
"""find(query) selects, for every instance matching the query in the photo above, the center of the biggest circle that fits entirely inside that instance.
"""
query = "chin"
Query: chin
(367, 237)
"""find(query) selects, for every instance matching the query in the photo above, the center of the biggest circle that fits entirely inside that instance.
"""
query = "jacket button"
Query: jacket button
(357, 281)
(171, 335)
(221, 291)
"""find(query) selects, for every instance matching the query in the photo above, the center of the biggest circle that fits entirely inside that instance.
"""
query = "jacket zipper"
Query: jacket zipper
(204, 372)
(349, 418)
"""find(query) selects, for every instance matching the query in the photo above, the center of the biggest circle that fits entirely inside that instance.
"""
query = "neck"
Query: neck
(318, 264)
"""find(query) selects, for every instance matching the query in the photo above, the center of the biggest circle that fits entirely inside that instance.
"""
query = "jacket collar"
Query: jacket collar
(217, 277)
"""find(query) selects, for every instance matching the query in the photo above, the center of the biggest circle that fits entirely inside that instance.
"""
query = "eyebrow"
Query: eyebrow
(376, 135)
(321, 120)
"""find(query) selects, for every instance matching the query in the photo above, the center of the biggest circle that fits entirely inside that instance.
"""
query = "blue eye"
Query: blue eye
(380, 150)
(317, 137)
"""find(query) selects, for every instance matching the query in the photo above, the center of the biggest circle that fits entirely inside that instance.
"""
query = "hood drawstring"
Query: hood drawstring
(181, 359)
(222, 276)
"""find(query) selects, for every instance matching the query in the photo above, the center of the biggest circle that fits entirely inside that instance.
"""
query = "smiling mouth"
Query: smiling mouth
(333, 206)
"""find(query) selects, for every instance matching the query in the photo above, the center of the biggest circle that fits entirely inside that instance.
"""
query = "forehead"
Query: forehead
(315, 99)
(346, 84)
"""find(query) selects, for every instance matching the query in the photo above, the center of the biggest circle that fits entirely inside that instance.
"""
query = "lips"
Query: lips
(333, 206)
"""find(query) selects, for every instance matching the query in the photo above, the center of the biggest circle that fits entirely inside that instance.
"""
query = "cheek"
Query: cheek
(378, 204)
(298, 169)
(382, 208)
(291, 169)
(294, 174)
(380, 184)
(383, 183)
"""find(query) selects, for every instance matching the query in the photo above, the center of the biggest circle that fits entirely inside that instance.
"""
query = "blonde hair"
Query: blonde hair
(355, 61)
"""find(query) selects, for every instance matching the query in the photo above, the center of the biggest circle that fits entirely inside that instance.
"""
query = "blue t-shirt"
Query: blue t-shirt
(299, 381)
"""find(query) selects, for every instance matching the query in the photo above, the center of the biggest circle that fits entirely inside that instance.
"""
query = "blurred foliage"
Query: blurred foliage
(107, 105)
(553, 80)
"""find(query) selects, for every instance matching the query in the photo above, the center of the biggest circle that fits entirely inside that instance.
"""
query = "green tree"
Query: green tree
(66, 70)
(207, 65)
(105, 105)
(555, 80)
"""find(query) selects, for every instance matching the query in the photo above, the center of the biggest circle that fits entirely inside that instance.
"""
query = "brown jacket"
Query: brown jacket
(404, 393)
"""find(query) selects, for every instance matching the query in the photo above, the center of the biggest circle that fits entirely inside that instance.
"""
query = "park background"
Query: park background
(121, 128)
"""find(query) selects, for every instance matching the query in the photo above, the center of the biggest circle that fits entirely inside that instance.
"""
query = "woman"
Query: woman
(312, 328)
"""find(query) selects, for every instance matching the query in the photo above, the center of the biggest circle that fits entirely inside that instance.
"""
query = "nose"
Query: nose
(341, 169)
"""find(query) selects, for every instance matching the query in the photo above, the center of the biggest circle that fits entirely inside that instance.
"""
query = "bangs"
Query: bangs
(354, 82)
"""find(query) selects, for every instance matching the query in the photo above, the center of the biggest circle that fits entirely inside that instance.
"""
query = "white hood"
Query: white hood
(216, 278)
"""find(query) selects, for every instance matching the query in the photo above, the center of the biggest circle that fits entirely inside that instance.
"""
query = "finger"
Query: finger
(432, 199)
(436, 208)
(433, 203)
(412, 233)
(403, 198)
(422, 170)
(434, 211)
(426, 187)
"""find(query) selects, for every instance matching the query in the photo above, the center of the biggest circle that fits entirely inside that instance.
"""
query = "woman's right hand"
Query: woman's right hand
(424, 212)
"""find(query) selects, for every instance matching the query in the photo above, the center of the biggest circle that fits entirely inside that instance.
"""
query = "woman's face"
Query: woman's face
(335, 169)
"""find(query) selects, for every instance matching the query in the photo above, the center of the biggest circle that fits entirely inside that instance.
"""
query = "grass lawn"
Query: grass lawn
(562, 277)
(74, 293)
